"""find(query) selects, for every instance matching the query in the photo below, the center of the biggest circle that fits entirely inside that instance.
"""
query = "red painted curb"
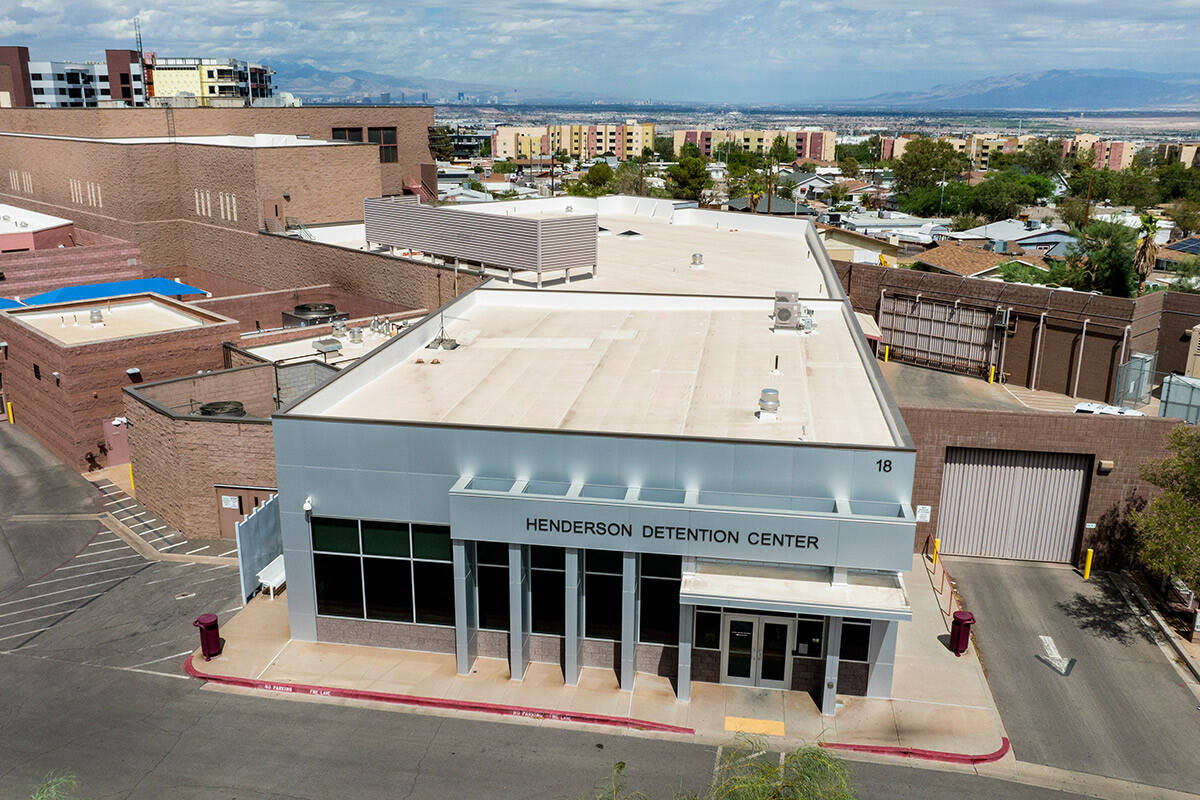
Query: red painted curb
(436, 702)
(926, 755)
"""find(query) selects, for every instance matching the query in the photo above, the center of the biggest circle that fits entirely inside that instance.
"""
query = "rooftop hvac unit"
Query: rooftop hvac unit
(327, 345)
(1193, 359)
(1001, 320)
(223, 408)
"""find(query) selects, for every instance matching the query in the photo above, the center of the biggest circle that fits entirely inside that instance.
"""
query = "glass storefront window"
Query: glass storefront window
(388, 589)
(385, 539)
(856, 640)
(708, 628)
(810, 637)
(339, 585)
(660, 598)
(335, 535)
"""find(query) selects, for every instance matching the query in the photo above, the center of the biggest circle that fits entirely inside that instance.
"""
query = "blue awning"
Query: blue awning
(93, 291)
(5, 303)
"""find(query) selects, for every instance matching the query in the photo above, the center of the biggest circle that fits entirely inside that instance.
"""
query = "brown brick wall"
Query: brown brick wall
(67, 417)
(1130, 442)
(215, 284)
(253, 385)
(318, 122)
(94, 259)
(176, 463)
(265, 309)
(1156, 322)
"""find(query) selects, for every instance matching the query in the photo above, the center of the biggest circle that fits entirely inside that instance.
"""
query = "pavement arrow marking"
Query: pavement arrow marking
(1052, 658)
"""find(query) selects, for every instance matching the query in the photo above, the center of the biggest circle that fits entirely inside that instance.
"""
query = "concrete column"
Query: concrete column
(882, 657)
(519, 619)
(833, 647)
(629, 620)
(683, 680)
(466, 615)
(573, 582)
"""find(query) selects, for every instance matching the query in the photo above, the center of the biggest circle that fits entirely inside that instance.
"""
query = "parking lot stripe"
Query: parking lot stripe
(23, 633)
(118, 502)
(164, 658)
(101, 561)
(60, 591)
(100, 552)
(208, 580)
(176, 544)
(229, 552)
(84, 574)
(34, 619)
(50, 605)
(197, 550)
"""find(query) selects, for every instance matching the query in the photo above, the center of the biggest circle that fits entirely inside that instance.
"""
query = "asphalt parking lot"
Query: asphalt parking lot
(1120, 710)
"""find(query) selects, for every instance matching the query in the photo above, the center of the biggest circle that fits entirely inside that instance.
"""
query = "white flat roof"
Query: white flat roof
(623, 363)
(135, 315)
(22, 220)
(256, 140)
(303, 350)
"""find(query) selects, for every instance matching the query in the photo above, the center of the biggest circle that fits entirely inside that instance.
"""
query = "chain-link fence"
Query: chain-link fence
(1135, 380)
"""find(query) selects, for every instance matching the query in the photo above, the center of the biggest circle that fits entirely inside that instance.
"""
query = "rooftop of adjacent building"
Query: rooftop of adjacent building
(257, 140)
(650, 364)
(71, 323)
(22, 220)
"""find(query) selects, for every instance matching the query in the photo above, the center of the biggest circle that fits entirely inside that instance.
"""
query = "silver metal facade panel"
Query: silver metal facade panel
(503, 241)
(1011, 503)
(259, 542)
(922, 331)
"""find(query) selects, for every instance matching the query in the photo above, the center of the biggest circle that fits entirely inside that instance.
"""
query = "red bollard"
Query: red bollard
(210, 636)
(960, 631)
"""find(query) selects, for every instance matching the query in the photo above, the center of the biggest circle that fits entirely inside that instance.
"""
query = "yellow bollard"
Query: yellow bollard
(132, 491)
(992, 375)
(10, 416)
(886, 348)
(937, 547)
(1087, 565)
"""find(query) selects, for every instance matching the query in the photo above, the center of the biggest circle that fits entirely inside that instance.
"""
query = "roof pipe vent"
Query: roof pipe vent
(96, 317)
(697, 261)
(768, 405)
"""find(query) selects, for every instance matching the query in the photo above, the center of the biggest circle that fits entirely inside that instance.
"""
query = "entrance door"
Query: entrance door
(757, 651)
(234, 503)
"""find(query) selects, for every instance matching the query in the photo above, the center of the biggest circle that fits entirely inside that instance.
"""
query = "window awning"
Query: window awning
(877, 595)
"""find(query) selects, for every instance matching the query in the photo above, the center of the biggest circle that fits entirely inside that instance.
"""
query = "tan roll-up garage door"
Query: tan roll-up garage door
(1012, 503)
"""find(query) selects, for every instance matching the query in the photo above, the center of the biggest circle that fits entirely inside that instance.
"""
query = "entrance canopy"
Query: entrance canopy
(792, 590)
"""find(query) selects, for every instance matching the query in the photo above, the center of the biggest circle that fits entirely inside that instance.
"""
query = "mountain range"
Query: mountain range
(1053, 90)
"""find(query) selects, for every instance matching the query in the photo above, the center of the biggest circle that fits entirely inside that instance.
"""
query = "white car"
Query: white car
(1101, 408)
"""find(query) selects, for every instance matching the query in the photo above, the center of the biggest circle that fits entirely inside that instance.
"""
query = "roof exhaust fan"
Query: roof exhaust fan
(768, 405)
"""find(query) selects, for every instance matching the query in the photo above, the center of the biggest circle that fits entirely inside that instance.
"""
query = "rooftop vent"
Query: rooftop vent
(630, 234)
(327, 345)
(309, 310)
(697, 261)
(96, 317)
(768, 405)
(356, 335)
(603, 231)
(223, 408)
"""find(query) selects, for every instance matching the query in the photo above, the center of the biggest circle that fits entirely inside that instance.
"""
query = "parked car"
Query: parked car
(1101, 408)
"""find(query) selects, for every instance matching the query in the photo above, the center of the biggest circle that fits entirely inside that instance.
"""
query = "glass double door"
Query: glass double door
(757, 650)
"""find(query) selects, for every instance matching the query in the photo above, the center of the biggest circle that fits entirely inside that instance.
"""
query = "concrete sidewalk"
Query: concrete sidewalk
(941, 703)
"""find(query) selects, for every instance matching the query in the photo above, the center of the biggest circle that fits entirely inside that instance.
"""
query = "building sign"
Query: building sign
(229, 501)
(923, 513)
(674, 533)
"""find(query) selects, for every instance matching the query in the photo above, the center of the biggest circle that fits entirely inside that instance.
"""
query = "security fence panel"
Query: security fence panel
(932, 333)
(1011, 503)
(1134, 380)
(1180, 398)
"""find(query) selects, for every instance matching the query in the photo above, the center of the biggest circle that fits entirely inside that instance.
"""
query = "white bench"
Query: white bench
(272, 575)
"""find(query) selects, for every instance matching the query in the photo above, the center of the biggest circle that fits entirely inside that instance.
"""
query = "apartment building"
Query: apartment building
(209, 79)
(1106, 154)
(809, 143)
(1186, 153)
(624, 140)
(87, 84)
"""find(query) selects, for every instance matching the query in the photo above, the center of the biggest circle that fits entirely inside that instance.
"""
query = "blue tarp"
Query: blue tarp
(93, 291)
(5, 303)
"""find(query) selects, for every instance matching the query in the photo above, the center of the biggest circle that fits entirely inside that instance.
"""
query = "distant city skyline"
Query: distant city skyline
(668, 50)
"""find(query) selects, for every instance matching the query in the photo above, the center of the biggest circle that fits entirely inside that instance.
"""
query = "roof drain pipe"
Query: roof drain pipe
(1079, 358)
(1003, 345)
(1037, 352)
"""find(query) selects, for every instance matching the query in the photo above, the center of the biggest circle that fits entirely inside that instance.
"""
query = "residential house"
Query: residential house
(971, 261)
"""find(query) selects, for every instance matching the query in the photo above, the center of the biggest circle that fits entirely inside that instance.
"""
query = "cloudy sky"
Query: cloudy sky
(742, 51)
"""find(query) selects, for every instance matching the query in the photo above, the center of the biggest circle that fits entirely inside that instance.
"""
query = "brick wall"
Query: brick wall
(176, 462)
(264, 309)
(67, 417)
(1130, 442)
(254, 386)
(296, 380)
(1155, 322)
(94, 259)
(217, 285)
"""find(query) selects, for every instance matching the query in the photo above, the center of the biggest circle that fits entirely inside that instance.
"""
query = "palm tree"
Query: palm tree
(1146, 254)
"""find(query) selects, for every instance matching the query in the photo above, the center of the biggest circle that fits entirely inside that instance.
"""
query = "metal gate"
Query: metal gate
(953, 337)
(1011, 503)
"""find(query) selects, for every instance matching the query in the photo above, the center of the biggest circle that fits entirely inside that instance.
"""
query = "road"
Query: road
(1121, 710)
(37, 492)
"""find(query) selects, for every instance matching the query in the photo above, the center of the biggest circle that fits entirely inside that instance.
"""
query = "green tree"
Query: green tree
(962, 222)
(1187, 276)
(503, 167)
(1073, 212)
(1135, 187)
(926, 162)
(1103, 259)
(1042, 157)
(599, 175)
(475, 185)
(485, 148)
(781, 152)
(955, 198)
(1168, 536)
(849, 167)
(1003, 196)
(688, 177)
(689, 150)
(837, 194)
(1145, 256)
(1186, 216)
(56, 786)
(440, 144)
(664, 148)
